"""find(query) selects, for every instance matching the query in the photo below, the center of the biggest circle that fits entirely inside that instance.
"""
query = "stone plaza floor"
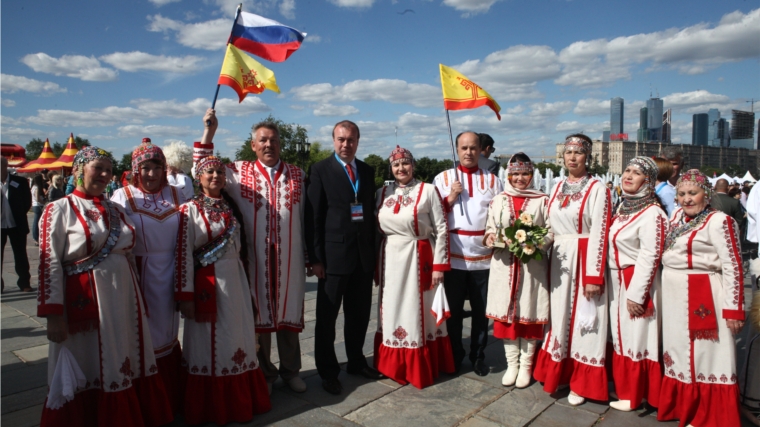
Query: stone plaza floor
(465, 400)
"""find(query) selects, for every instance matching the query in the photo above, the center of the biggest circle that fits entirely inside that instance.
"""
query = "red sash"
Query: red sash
(648, 304)
(703, 321)
(425, 256)
(82, 312)
(205, 294)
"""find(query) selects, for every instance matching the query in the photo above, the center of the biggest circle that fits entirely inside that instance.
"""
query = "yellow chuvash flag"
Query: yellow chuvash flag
(461, 93)
(245, 75)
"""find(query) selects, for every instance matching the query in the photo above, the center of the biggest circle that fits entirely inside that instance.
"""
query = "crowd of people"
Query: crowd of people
(645, 292)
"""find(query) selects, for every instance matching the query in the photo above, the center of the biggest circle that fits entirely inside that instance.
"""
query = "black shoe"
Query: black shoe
(369, 373)
(332, 386)
(480, 368)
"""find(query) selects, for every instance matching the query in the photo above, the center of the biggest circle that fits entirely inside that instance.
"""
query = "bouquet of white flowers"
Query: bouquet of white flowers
(525, 239)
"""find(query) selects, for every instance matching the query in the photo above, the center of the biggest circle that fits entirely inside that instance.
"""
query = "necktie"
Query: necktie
(350, 171)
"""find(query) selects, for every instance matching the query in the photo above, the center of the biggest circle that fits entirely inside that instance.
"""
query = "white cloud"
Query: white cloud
(694, 98)
(313, 38)
(335, 110)
(353, 3)
(231, 107)
(151, 131)
(288, 9)
(12, 84)
(159, 3)
(550, 108)
(592, 107)
(209, 35)
(76, 66)
(389, 90)
(17, 134)
(10, 121)
(139, 61)
(470, 7)
(9, 103)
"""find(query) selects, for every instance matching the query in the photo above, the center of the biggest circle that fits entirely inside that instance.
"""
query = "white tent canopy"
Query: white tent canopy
(748, 177)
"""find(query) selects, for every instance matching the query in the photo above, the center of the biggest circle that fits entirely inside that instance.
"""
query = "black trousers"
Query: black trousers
(20, 259)
(460, 284)
(355, 291)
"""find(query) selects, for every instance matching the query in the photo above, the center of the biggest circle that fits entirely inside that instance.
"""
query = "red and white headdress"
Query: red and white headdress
(147, 151)
(399, 153)
(518, 166)
(575, 143)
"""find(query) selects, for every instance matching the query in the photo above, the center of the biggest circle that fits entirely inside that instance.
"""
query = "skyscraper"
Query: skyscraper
(641, 134)
(654, 119)
(723, 135)
(699, 129)
(666, 122)
(713, 115)
(742, 129)
(616, 115)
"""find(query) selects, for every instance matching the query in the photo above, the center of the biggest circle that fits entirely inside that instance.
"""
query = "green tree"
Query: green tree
(57, 148)
(546, 165)
(34, 148)
(81, 142)
(709, 171)
(290, 134)
(225, 160)
(426, 169)
(596, 168)
(125, 164)
(381, 167)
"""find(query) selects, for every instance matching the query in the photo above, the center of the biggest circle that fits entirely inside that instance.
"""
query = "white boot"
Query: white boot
(575, 399)
(512, 350)
(622, 405)
(527, 348)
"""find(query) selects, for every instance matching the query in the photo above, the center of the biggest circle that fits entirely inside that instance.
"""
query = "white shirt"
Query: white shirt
(272, 171)
(7, 215)
(184, 182)
(753, 213)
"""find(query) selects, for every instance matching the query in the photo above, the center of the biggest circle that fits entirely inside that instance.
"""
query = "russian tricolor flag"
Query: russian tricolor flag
(264, 37)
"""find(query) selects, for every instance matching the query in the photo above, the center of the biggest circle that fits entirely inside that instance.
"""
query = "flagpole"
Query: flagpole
(216, 95)
(454, 159)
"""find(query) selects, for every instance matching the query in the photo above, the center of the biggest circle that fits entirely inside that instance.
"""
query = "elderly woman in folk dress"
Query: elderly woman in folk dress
(224, 382)
(637, 235)
(574, 348)
(153, 206)
(703, 285)
(411, 344)
(89, 294)
(518, 293)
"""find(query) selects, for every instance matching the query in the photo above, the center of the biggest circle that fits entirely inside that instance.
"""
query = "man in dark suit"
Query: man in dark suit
(340, 240)
(725, 203)
(16, 201)
(486, 149)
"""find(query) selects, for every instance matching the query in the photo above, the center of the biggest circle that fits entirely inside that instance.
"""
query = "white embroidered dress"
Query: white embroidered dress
(635, 251)
(579, 258)
(116, 357)
(702, 281)
(410, 346)
(224, 382)
(274, 215)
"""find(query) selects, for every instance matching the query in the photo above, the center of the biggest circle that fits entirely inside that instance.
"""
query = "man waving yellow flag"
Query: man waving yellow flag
(245, 75)
(461, 93)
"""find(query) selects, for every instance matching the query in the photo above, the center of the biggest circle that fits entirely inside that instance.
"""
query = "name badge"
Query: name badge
(14, 184)
(357, 214)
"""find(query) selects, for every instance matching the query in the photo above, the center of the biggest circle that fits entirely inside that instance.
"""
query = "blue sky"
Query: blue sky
(117, 71)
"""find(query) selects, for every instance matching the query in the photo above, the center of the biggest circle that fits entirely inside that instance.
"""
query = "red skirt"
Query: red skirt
(226, 399)
(585, 380)
(419, 366)
(700, 404)
(170, 369)
(513, 331)
(143, 404)
(636, 381)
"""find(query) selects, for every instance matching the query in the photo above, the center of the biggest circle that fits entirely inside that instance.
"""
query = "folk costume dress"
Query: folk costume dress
(224, 382)
(635, 251)
(573, 352)
(156, 219)
(108, 332)
(411, 346)
(703, 285)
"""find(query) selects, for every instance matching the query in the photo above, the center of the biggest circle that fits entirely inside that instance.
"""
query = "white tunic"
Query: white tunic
(518, 292)
(415, 244)
(274, 218)
(467, 226)
(156, 219)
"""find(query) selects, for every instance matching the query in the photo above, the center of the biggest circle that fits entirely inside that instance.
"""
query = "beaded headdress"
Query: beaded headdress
(648, 167)
(575, 143)
(518, 166)
(399, 153)
(86, 155)
(147, 151)
(695, 177)
(205, 163)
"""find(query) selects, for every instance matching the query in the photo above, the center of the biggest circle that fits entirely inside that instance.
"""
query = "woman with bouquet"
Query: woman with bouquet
(411, 344)
(518, 289)
(574, 348)
(637, 235)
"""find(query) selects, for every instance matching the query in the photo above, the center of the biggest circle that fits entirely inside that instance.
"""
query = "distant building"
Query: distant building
(723, 135)
(699, 125)
(742, 129)
(667, 119)
(713, 116)
(606, 136)
(654, 119)
(615, 155)
(616, 115)
(641, 134)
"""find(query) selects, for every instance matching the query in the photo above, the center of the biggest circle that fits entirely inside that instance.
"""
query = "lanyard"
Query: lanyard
(354, 185)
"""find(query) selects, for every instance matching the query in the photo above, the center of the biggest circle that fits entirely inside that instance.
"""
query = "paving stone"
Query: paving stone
(22, 332)
(563, 416)
(495, 359)
(641, 418)
(8, 311)
(593, 406)
(28, 417)
(10, 362)
(315, 417)
(518, 407)
(479, 422)
(23, 400)
(308, 330)
(23, 379)
(357, 392)
(284, 406)
(33, 355)
(310, 305)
